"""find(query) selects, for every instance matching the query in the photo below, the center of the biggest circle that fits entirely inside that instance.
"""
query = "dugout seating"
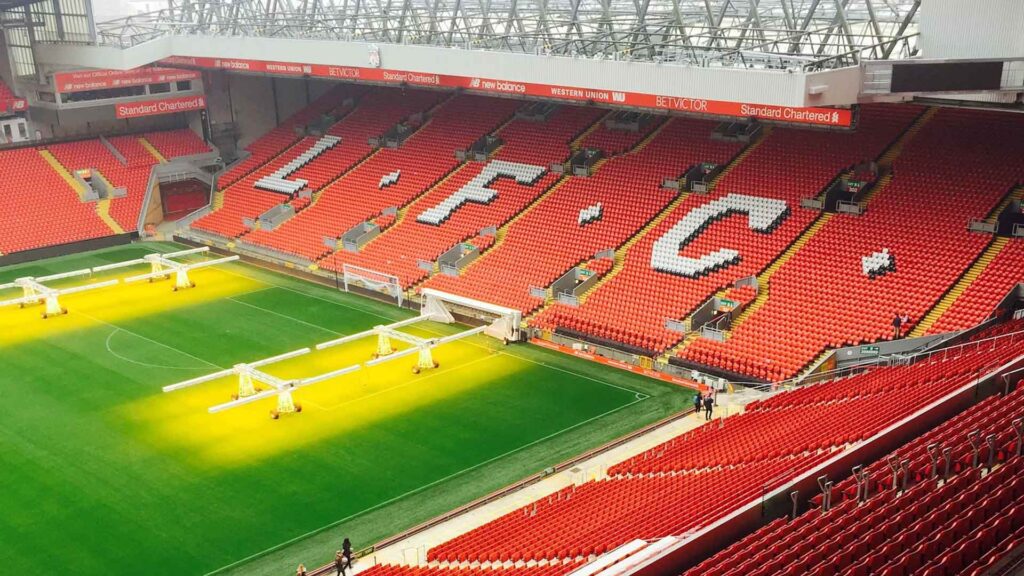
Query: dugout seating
(938, 525)
(980, 299)
(39, 207)
(177, 143)
(787, 165)
(359, 195)
(538, 144)
(376, 112)
(550, 239)
(959, 166)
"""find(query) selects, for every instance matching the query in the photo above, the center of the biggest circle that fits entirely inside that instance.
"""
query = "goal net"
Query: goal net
(372, 280)
(502, 323)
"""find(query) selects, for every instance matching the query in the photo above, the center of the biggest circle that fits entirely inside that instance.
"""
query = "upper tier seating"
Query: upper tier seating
(375, 113)
(422, 160)
(788, 165)
(551, 239)
(39, 207)
(821, 298)
(177, 143)
(935, 527)
(526, 143)
(980, 299)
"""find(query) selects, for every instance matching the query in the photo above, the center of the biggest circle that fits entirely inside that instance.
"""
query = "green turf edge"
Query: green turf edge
(391, 518)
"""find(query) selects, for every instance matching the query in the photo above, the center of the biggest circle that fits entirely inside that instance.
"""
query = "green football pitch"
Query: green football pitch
(103, 473)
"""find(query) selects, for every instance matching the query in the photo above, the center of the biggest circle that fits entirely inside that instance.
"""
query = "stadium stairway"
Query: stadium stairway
(886, 159)
(962, 284)
(152, 150)
(828, 301)
(623, 251)
(535, 241)
(102, 207)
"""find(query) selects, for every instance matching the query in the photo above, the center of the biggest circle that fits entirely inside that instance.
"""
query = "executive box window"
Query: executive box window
(104, 94)
(162, 88)
(184, 85)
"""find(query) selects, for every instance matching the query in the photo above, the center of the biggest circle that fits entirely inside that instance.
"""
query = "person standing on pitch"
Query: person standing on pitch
(709, 406)
(698, 401)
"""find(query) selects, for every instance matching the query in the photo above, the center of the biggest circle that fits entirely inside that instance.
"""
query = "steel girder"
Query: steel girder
(802, 35)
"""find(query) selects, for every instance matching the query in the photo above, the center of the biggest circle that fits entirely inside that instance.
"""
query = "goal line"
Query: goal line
(502, 323)
(372, 280)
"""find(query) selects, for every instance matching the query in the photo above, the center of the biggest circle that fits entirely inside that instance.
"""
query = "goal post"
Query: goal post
(372, 280)
(502, 323)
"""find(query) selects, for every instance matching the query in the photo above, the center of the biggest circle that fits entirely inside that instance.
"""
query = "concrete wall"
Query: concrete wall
(253, 106)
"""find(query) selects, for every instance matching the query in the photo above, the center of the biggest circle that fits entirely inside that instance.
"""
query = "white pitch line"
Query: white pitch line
(137, 335)
(413, 491)
(146, 364)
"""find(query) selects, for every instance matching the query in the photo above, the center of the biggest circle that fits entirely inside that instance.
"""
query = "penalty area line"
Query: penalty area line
(414, 491)
(425, 329)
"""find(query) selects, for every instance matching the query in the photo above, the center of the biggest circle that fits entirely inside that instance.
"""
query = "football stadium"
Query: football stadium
(510, 288)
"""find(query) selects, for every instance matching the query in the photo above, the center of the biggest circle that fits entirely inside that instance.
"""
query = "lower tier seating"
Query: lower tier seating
(548, 569)
(937, 525)
(599, 516)
(39, 207)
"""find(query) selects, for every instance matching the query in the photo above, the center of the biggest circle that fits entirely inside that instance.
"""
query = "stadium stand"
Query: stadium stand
(662, 491)
(552, 237)
(374, 114)
(177, 143)
(983, 295)
(536, 144)
(41, 208)
(820, 298)
(552, 569)
(787, 165)
(598, 516)
(359, 195)
(133, 175)
(928, 520)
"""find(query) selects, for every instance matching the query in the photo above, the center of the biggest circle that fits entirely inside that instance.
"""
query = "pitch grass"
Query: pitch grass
(101, 473)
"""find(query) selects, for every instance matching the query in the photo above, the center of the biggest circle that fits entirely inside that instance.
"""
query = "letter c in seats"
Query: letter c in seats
(763, 215)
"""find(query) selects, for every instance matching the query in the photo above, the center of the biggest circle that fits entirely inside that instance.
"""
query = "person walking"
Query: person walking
(897, 325)
(346, 554)
(339, 563)
(709, 406)
(698, 403)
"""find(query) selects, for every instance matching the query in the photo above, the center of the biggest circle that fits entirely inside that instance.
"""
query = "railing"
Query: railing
(903, 359)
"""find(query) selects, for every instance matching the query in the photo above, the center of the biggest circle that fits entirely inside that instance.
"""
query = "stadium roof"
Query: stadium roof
(785, 35)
